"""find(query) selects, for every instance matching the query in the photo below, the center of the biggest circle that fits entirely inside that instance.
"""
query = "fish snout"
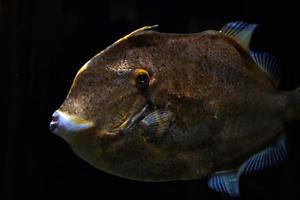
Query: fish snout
(54, 123)
(63, 122)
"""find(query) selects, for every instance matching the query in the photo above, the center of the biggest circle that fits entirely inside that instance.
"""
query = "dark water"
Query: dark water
(44, 43)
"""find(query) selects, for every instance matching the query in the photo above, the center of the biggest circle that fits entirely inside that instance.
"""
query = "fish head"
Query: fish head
(121, 106)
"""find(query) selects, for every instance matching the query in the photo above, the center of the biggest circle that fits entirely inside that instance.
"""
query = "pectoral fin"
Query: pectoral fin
(157, 122)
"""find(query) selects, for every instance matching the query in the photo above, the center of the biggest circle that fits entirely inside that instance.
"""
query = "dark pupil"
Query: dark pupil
(142, 80)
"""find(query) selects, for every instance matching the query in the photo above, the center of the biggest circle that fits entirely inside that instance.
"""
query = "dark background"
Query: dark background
(45, 42)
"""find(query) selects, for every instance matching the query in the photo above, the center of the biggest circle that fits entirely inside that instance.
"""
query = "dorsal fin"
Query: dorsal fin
(137, 31)
(239, 31)
(269, 64)
(127, 36)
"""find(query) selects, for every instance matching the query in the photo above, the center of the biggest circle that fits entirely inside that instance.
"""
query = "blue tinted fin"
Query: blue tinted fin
(269, 64)
(266, 158)
(228, 181)
(225, 182)
(239, 31)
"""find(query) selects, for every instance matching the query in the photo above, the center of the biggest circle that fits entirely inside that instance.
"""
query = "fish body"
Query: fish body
(159, 107)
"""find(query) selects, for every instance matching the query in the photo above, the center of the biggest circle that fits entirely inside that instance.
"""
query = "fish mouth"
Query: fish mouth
(131, 122)
(65, 123)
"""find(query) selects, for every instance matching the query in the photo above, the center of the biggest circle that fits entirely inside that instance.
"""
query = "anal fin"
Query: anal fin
(271, 155)
(228, 181)
(225, 182)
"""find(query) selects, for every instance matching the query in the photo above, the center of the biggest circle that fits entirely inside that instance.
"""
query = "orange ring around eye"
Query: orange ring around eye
(137, 74)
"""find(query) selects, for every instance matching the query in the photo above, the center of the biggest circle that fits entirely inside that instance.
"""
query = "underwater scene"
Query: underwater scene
(150, 99)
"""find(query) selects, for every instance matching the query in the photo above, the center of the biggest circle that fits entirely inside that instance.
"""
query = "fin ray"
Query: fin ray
(269, 64)
(266, 158)
(158, 121)
(225, 182)
(228, 181)
(240, 31)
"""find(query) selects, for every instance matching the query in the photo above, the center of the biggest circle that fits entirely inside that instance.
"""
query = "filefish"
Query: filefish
(162, 106)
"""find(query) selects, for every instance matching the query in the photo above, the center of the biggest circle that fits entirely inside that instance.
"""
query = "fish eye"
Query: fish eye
(141, 78)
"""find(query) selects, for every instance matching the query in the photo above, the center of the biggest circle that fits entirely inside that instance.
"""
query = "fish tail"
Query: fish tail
(293, 105)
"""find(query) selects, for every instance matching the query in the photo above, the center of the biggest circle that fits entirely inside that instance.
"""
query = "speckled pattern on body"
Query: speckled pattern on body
(225, 107)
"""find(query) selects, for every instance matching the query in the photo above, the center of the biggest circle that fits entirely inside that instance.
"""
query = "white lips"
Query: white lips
(68, 123)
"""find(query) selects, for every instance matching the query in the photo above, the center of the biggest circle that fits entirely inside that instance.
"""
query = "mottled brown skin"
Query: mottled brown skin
(226, 108)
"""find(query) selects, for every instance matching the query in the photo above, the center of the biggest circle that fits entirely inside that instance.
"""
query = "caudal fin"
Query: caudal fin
(293, 105)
